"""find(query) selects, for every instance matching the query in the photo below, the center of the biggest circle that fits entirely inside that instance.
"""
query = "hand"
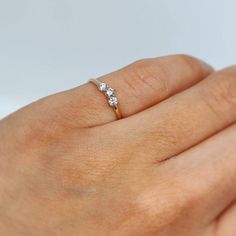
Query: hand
(68, 167)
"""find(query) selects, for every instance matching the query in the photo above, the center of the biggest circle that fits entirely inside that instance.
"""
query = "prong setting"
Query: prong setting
(102, 87)
(110, 94)
(113, 101)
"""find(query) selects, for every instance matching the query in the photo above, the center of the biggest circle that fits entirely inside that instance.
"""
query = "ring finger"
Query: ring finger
(138, 86)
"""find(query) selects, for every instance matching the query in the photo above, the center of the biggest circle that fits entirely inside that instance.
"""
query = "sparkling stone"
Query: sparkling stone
(102, 87)
(109, 92)
(113, 101)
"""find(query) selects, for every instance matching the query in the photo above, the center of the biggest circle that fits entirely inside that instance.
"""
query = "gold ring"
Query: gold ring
(110, 94)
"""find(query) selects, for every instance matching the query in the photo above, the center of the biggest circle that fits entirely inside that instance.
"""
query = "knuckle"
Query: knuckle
(191, 64)
(186, 59)
(220, 94)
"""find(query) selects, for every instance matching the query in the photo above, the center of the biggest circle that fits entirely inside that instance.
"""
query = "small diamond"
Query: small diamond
(102, 87)
(113, 101)
(109, 92)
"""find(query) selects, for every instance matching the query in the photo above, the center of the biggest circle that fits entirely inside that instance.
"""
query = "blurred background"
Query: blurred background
(51, 45)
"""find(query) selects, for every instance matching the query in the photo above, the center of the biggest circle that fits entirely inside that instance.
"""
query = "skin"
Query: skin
(68, 167)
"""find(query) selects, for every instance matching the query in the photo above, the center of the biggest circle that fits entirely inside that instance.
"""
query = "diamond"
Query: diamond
(109, 92)
(102, 87)
(113, 101)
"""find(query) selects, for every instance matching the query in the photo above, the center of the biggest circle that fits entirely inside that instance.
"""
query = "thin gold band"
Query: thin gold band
(110, 94)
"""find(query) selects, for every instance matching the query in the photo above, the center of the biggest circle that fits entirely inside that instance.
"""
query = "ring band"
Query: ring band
(110, 94)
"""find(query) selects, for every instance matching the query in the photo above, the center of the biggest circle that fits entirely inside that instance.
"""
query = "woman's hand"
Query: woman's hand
(68, 167)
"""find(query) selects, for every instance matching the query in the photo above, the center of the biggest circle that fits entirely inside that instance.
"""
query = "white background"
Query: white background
(52, 45)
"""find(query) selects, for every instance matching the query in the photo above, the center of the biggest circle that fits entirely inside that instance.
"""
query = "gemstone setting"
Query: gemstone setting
(102, 87)
(113, 101)
(109, 92)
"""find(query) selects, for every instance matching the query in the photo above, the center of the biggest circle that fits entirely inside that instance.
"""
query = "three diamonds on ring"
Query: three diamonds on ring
(109, 92)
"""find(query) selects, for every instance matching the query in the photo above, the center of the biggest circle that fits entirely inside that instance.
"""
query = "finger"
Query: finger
(206, 174)
(137, 86)
(187, 118)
